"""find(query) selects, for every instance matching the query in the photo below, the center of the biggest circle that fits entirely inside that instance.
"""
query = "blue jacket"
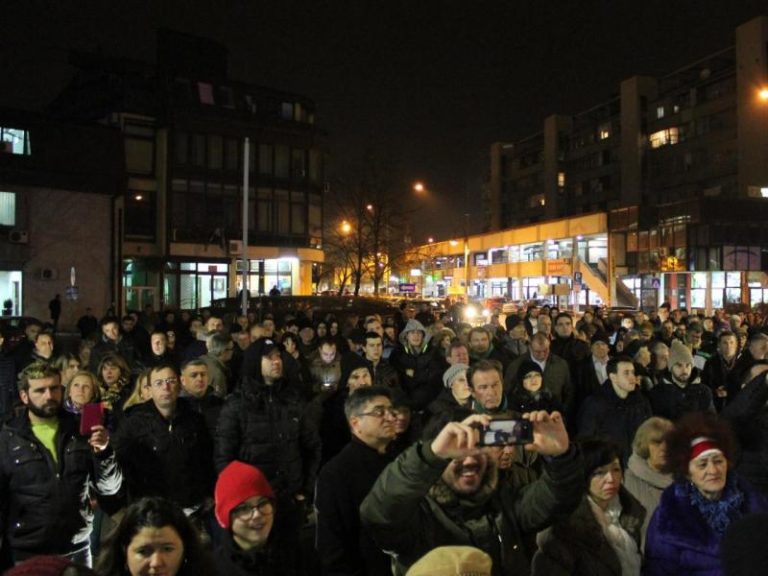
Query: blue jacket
(679, 541)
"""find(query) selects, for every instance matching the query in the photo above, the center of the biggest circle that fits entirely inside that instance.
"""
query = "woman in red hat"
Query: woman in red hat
(245, 508)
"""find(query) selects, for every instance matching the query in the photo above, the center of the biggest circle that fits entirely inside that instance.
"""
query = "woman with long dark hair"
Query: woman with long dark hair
(154, 537)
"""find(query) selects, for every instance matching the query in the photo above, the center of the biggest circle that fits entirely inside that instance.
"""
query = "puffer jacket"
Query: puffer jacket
(266, 426)
(419, 370)
(409, 511)
(167, 458)
(45, 503)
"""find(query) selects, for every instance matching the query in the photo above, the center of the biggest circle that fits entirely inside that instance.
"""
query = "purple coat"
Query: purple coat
(679, 541)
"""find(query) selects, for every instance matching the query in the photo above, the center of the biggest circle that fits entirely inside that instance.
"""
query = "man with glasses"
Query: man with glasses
(164, 446)
(47, 473)
(346, 479)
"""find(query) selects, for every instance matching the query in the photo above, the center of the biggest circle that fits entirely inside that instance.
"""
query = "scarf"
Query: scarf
(620, 540)
(718, 514)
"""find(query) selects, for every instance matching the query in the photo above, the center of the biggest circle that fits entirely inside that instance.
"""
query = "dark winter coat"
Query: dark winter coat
(167, 458)
(578, 547)
(748, 415)
(679, 541)
(123, 347)
(557, 379)
(343, 483)
(606, 415)
(274, 560)
(522, 401)
(46, 504)
(418, 374)
(715, 375)
(265, 426)
(408, 511)
(670, 401)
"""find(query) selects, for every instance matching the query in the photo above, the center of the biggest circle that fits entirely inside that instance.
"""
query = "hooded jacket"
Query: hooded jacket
(419, 370)
(265, 426)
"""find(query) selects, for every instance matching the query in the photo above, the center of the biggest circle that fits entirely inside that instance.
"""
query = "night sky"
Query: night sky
(424, 86)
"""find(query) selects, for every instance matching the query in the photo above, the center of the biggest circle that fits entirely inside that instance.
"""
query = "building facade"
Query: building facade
(679, 164)
(179, 221)
(58, 182)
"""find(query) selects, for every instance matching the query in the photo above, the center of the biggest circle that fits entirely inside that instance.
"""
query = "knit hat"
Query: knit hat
(452, 561)
(526, 368)
(450, 375)
(679, 354)
(351, 361)
(45, 566)
(237, 483)
(702, 447)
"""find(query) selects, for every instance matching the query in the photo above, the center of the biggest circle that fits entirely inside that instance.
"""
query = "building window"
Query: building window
(282, 161)
(215, 152)
(536, 200)
(604, 132)
(7, 208)
(286, 111)
(298, 163)
(264, 210)
(140, 214)
(231, 155)
(226, 98)
(139, 156)
(265, 159)
(14, 141)
(205, 92)
(315, 165)
(181, 148)
(561, 179)
(660, 112)
(298, 213)
(198, 149)
(283, 211)
(666, 137)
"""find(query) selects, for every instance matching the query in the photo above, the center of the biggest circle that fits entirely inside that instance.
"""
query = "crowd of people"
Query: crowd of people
(181, 444)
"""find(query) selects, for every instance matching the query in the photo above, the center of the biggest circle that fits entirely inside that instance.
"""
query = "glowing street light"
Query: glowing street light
(346, 227)
(418, 187)
(763, 94)
(430, 240)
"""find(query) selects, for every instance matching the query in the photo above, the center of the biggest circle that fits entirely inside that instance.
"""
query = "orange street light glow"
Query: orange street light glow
(418, 187)
(763, 94)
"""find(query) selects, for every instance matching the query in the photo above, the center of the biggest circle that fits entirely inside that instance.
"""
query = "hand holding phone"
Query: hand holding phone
(506, 432)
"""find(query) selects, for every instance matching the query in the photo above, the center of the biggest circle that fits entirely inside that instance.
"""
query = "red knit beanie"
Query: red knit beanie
(237, 483)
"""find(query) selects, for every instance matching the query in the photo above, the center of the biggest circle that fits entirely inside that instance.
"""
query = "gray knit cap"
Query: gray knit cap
(450, 375)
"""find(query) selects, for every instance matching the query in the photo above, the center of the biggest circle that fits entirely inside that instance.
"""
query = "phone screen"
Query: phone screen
(91, 415)
(506, 432)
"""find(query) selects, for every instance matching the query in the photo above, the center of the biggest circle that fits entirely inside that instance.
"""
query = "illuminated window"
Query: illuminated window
(7, 208)
(605, 131)
(660, 112)
(561, 179)
(664, 137)
(14, 141)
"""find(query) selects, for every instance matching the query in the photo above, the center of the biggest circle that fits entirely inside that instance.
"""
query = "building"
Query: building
(679, 166)
(178, 222)
(57, 185)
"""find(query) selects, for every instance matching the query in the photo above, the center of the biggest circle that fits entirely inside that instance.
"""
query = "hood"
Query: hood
(412, 325)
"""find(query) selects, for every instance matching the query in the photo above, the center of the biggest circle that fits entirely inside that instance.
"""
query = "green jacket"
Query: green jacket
(409, 511)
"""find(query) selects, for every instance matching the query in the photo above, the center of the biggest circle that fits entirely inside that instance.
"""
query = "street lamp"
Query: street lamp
(346, 227)
(418, 187)
(763, 94)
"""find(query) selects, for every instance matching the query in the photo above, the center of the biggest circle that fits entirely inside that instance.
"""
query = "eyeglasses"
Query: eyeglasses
(245, 511)
(381, 412)
(165, 382)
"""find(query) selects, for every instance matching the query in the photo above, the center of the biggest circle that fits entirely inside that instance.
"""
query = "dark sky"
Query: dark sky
(425, 85)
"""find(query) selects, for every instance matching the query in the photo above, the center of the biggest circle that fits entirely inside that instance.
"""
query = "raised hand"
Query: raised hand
(549, 435)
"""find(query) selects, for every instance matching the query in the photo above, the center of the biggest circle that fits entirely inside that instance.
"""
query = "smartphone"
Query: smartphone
(91, 415)
(506, 432)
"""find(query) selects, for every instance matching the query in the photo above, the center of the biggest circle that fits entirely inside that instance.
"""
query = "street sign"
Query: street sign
(577, 277)
(407, 287)
(655, 283)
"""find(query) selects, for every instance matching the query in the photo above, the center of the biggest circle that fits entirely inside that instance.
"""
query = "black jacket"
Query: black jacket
(606, 415)
(265, 426)
(167, 458)
(670, 401)
(419, 375)
(343, 484)
(46, 504)
(274, 560)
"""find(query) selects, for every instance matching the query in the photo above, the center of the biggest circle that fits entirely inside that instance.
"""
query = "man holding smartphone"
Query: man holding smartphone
(446, 492)
(47, 470)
